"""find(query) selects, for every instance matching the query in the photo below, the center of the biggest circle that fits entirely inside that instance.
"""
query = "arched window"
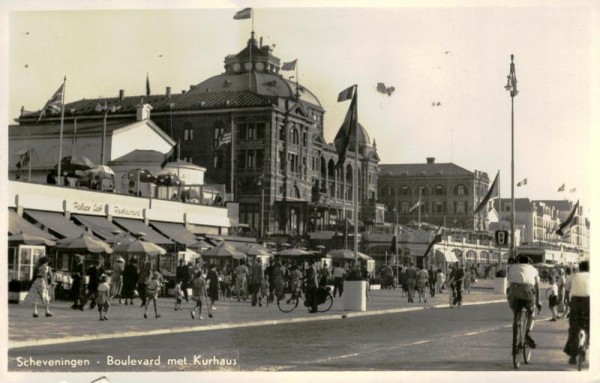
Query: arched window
(404, 190)
(295, 137)
(439, 190)
(423, 190)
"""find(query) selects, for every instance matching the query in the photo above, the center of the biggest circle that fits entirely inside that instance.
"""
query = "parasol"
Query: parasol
(345, 254)
(138, 247)
(168, 179)
(26, 239)
(70, 164)
(294, 253)
(83, 244)
(224, 250)
(252, 249)
(144, 175)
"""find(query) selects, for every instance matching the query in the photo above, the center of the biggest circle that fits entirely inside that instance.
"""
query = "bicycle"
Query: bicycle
(290, 301)
(582, 346)
(520, 345)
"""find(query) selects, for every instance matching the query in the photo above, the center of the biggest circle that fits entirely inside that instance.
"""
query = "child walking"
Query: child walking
(553, 300)
(103, 297)
(264, 291)
(152, 290)
(178, 296)
(198, 291)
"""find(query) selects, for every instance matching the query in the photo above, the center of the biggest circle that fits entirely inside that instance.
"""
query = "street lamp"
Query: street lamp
(99, 108)
(511, 86)
(262, 205)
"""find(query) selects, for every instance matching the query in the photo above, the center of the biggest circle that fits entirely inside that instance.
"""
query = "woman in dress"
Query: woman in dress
(116, 279)
(213, 285)
(130, 277)
(38, 293)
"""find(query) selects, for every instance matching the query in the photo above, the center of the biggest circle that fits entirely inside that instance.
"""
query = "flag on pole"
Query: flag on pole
(561, 188)
(24, 159)
(54, 104)
(573, 190)
(147, 84)
(245, 13)
(289, 66)
(437, 238)
(348, 128)
(223, 139)
(415, 206)
(346, 94)
(569, 222)
(168, 156)
(394, 246)
(491, 194)
(522, 183)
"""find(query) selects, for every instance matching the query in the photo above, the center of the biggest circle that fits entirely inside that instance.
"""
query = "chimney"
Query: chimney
(143, 111)
(121, 94)
(168, 91)
(431, 160)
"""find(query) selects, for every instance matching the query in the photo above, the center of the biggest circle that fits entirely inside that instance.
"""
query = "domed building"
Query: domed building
(260, 135)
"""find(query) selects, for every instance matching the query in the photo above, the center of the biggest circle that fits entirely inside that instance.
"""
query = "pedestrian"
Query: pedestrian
(467, 281)
(440, 280)
(198, 291)
(226, 282)
(241, 276)
(560, 283)
(116, 279)
(579, 319)
(403, 282)
(278, 281)
(152, 289)
(432, 276)
(38, 293)
(338, 280)
(553, 299)
(455, 280)
(130, 277)
(295, 281)
(213, 286)
(421, 282)
(270, 280)
(94, 272)
(264, 291)
(323, 276)
(178, 296)
(311, 287)
(567, 292)
(411, 277)
(103, 298)
(182, 274)
(78, 286)
(255, 280)
(144, 278)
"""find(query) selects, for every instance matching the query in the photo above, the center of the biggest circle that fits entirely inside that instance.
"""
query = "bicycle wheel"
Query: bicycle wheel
(518, 335)
(582, 349)
(325, 306)
(288, 303)
(525, 345)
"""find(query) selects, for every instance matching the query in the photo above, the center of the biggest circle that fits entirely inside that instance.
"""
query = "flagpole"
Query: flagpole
(29, 165)
(297, 89)
(500, 217)
(62, 122)
(355, 179)
(231, 185)
(419, 207)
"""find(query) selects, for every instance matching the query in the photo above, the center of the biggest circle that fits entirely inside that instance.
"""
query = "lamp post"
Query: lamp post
(511, 86)
(262, 205)
(113, 108)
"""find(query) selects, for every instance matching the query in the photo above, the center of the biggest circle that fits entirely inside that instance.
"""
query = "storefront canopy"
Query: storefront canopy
(56, 222)
(100, 226)
(175, 231)
(135, 226)
(17, 224)
(445, 256)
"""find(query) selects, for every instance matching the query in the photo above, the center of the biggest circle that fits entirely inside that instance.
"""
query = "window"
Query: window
(460, 207)
(404, 190)
(260, 158)
(188, 132)
(461, 190)
(241, 131)
(295, 137)
(251, 162)
(404, 207)
(439, 190)
(281, 133)
(304, 139)
(218, 132)
(423, 190)
(241, 159)
(281, 160)
(260, 130)
(439, 207)
(251, 132)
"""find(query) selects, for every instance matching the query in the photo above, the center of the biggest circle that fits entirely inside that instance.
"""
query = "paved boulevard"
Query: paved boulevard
(470, 338)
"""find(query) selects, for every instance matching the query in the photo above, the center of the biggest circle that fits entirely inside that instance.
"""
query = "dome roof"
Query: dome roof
(364, 141)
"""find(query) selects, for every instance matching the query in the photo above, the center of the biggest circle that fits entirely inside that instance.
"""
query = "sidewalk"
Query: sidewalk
(67, 325)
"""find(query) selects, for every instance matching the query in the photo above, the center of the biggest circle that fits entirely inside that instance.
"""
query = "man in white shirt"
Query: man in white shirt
(580, 309)
(524, 292)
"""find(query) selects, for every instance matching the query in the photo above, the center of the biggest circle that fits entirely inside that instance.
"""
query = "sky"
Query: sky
(457, 56)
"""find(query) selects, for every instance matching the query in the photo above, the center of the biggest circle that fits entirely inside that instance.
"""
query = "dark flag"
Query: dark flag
(561, 188)
(245, 13)
(168, 156)
(54, 104)
(437, 238)
(569, 222)
(348, 128)
(492, 193)
(289, 66)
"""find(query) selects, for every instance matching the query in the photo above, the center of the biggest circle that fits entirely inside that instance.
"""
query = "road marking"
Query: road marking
(224, 326)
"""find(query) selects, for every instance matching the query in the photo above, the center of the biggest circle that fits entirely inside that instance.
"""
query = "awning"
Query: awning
(17, 224)
(100, 226)
(175, 231)
(445, 256)
(56, 222)
(135, 226)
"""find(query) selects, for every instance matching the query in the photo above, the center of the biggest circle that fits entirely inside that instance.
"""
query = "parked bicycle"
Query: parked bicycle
(291, 300)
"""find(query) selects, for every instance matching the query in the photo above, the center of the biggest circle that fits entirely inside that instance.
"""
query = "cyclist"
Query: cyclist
(524, 292)
(580, 309)
(455, 281)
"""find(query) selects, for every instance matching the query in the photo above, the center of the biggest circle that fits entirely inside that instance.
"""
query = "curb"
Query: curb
(227, 326)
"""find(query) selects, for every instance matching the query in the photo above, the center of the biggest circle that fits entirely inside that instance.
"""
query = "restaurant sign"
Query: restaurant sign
(87, 207)
(126, 212)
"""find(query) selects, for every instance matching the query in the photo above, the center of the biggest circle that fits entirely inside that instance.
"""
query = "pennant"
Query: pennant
(289, 66)
(569, 222)
(573, 190)
(147, 84)
(415, 206)
(168, 156)
(491, 194)
(346, 94)
(562, 188)
(245, 13)
(437, 238)
(54, 104)
(522, 183)
(348, 128)
(394, 246)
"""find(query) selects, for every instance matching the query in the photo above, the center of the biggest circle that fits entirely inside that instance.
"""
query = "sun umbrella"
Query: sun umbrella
(190, 194)
(26, 239)
(144, 175)
(253, 249)
(100, 171)
(345, 254)
(200, 246)
(70, 164)
(224, 250)
(294, 253)
(139, 247)
(83, 244)
(168, 179)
